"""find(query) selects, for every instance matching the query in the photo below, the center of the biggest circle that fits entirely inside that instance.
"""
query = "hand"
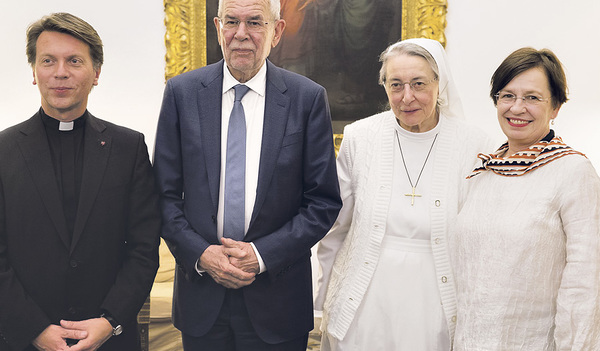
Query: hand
(216, 263)
(54, 338)
(241, 255)
(98, 330)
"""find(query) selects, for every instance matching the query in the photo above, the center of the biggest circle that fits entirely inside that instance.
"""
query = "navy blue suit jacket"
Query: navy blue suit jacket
(297, 197)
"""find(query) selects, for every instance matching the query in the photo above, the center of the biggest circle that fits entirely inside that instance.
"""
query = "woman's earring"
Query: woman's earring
(552, 121)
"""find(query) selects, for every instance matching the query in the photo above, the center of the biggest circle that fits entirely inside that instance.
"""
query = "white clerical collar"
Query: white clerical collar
(65, 126)
(258, 83)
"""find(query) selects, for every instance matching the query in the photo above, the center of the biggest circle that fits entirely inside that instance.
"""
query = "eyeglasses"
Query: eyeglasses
(511, 99)
(416, 86)
(251, 25)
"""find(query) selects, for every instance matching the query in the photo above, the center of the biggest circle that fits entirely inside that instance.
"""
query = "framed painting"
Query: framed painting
(334, 42)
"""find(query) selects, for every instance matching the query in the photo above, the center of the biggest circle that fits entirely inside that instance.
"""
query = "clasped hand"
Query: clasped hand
(233, 264)
(90, 333)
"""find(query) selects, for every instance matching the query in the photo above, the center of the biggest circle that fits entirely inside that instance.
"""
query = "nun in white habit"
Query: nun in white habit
(386, 281)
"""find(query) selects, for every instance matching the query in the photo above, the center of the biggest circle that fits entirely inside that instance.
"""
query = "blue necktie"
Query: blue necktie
(235, 170)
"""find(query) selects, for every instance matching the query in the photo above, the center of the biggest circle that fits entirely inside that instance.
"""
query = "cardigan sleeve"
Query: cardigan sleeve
(578, 302)
(329, 246)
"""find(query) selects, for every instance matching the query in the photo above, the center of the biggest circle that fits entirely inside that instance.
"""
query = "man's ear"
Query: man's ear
(279, 28)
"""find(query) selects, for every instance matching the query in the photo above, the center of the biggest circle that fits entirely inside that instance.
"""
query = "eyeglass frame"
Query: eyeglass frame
(263, 24)
(527, 99)
(412, 85)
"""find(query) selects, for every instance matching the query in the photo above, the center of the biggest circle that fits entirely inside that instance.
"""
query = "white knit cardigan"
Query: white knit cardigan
(348, 255)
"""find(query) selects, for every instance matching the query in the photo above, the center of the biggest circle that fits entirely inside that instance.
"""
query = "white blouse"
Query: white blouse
(526, 254)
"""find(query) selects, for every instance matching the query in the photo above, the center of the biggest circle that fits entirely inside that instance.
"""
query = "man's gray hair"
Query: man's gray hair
(275, 7)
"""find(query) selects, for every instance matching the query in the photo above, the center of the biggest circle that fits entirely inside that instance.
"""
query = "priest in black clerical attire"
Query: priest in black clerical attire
(79, 218)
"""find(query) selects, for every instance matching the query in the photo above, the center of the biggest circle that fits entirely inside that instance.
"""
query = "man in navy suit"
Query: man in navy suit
(253, 293)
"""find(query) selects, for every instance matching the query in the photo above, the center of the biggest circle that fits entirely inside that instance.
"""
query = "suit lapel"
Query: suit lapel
(209, 115)
(35, 149)
(275, 121)
(96, 150)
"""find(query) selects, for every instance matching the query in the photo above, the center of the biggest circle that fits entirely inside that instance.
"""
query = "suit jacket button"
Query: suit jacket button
(72, 310)
(73, 264)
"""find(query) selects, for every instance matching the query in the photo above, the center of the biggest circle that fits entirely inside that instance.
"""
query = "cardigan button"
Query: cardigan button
(437, 203)
(444, 279)
(437, 240)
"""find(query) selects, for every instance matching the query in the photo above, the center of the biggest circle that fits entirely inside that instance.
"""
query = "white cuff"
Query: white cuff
(198, 269)
(261, 263)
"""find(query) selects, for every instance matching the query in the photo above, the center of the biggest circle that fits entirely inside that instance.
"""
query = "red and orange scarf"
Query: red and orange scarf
(548, 149)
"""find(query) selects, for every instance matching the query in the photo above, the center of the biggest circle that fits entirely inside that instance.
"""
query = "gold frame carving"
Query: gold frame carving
(185, 38)
(424, 19)
(185, 21)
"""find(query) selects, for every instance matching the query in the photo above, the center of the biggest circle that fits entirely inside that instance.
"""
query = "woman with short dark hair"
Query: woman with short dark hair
(526, 248)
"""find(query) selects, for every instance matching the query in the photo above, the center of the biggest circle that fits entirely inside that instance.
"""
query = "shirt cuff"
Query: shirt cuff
(261, 263)
(198, 269)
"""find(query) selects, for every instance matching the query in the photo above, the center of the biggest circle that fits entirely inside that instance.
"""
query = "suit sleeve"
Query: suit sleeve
(320, 202)
(140, 264)
(21, 319)
(183, 241)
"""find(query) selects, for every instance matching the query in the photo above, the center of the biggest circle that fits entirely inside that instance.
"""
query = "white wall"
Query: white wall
(481, 33)
(131, 83)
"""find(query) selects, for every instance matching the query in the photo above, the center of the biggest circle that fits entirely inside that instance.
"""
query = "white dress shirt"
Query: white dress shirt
(254, 110)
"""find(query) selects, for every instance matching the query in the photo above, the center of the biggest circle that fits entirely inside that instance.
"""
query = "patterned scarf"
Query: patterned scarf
(548, 149)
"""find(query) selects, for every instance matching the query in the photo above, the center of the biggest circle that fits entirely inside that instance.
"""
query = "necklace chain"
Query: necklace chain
(422, 168)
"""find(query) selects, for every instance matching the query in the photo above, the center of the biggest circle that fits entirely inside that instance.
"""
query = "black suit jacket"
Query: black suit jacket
(297, 197)
(112, 259)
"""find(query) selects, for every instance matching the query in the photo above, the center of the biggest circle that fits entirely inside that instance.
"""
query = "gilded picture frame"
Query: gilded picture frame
(186, 29)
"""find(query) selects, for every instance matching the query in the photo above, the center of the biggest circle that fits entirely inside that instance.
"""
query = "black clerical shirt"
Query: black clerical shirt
(66, 148)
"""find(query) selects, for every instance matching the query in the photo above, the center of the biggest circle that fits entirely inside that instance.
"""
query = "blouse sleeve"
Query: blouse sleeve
(578, 302)
(331, 243)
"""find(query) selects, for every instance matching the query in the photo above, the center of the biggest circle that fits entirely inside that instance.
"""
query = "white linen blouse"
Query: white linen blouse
(526, 254)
